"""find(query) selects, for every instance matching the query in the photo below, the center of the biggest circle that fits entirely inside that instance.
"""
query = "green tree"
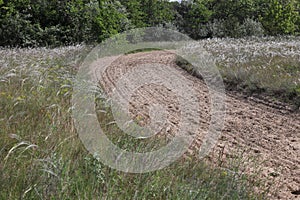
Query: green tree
(231, 14)
(298, 20)
(157, 12)
(59, 22)
(134, 12)
(280, 17)
(110, 18)
(236, 10)
(195, 14)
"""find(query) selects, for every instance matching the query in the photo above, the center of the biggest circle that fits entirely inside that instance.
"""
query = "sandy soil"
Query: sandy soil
(266, 131)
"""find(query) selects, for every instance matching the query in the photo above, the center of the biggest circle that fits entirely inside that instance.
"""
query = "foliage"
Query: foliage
(249, 27)
(195, 15)
(237, 18)
(157, 12)
(229, 17)
(134, 12)
(234, 11)
(279, 17)
(53, 23)
(62, 22)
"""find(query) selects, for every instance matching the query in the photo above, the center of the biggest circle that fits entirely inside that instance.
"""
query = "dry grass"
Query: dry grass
(265, 66)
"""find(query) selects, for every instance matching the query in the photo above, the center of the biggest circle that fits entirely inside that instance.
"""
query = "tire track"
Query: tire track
(270, 133)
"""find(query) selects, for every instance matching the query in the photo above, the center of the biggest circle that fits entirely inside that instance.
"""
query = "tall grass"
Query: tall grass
(265, 66)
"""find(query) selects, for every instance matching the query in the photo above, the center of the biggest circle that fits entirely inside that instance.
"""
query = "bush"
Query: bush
(251, 27)
(223, 28)
(216, 28)
(279, 17)
(194, 15)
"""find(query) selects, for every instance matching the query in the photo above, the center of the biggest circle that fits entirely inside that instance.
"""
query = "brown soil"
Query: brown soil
(268, 133)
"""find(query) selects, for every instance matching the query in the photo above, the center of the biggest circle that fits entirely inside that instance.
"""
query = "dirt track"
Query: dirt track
(270, 133)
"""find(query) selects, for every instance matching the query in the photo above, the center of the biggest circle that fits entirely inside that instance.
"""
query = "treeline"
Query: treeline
(63, 22)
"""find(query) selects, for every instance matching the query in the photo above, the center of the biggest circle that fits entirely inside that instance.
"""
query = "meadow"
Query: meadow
(41, 156)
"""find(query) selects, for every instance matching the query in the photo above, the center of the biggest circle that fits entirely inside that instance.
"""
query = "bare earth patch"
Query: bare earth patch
(270, 133)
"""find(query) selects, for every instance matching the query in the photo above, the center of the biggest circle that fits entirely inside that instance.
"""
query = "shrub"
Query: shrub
(279, 17)
(223, 28)
(216, 28)
(251, 27)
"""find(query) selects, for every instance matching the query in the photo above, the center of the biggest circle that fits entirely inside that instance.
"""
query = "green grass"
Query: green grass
(41, 156)
(142, 50)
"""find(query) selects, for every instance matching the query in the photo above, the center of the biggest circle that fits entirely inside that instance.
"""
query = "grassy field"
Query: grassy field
(41, 156)
(266, 67)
